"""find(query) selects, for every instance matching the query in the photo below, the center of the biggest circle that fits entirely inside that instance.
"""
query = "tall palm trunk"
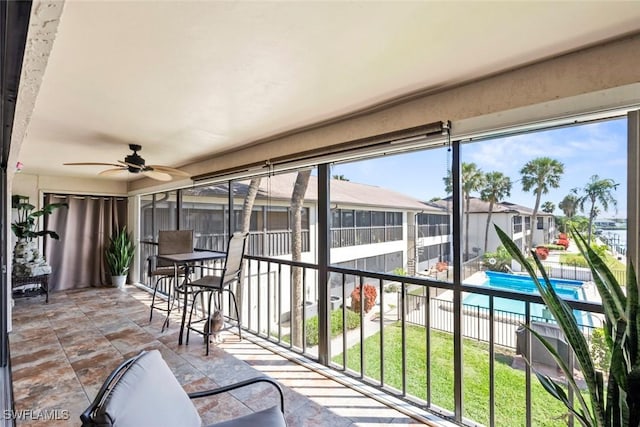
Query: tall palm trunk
(297, 303)
(486, 230)
(466, 226)
(533, 219)
(592, 214)
(247, 208)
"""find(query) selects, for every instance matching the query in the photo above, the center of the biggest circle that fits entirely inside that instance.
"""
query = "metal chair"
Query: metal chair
(143, 391)
(169, 242)
(217, 284)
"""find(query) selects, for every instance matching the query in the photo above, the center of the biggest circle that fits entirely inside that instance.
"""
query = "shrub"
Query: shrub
(370, 295)
(576, 260)
(542, 252)
(392, 287)
(600, 351)
(562, 242)
(311, 325)
(441, 266)
(498, 260)
(399, 271)
(553, 247)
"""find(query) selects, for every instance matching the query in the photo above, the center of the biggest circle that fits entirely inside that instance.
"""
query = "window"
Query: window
(517, 224)
(363, 219)
(377, 219)
(347, 219)
(540, 223)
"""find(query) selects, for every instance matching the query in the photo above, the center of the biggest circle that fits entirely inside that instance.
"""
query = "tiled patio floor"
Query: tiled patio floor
(61, 353)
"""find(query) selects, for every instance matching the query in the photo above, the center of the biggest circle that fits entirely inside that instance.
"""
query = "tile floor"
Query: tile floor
(61, 353)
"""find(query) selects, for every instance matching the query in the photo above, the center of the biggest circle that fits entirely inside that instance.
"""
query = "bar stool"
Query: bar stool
(216, 285)
(169, 242)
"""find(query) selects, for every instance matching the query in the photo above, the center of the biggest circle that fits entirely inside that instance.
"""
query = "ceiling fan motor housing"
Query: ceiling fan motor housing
(135, 159)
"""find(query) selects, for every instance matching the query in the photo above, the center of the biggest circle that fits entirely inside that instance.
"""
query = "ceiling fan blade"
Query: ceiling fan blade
(91, 164)
(170, 171)
(133, 165)
(111, 172)
(159, 176)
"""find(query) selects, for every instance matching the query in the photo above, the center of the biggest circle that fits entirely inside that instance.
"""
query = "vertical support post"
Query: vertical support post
(456, 201)
(230, 219)
(324, 239)
(633, 188)
(179, 209)
(5, 295)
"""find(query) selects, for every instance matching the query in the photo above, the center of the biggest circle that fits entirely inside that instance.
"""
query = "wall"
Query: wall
(34, 185)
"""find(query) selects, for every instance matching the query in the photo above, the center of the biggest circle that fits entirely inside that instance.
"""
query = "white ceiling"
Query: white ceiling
(189, 79)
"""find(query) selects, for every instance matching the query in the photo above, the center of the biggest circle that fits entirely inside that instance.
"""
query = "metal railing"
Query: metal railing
(379, 346)
(355, 236)
(401, 341)
(475, 323)
(434, 230)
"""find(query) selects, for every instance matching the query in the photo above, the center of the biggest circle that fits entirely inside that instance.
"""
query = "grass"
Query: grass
(509, 382)
(578, 260)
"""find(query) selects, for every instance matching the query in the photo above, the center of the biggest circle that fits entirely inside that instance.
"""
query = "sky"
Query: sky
(588, 149)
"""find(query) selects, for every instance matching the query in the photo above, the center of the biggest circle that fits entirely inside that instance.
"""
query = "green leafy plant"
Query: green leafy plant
(499, 260)
(311, 326)
(24, 227)
(619, 405)
(600, 351)
(120, 253)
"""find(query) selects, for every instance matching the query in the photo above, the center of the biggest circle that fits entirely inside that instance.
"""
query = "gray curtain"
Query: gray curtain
(77, 259)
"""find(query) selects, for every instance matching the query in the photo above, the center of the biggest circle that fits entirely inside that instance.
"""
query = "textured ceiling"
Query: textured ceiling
(189, 79)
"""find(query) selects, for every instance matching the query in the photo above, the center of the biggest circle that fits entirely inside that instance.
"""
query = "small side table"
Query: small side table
(43, 286)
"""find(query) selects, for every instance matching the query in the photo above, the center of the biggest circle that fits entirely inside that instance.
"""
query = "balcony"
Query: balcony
(61, 353)
(405, 346)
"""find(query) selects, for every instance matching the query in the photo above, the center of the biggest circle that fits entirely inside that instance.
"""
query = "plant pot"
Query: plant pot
(118, 281)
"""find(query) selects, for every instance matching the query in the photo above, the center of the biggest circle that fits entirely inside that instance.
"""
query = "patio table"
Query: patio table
(186, 260)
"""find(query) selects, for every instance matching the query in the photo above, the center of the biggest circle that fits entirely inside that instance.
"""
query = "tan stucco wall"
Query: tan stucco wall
(33, 185)
(594, 70)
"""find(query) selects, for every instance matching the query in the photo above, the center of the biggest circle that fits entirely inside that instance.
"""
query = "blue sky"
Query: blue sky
(596, 148)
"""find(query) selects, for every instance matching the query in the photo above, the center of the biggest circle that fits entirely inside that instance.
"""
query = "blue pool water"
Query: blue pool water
(566, 289)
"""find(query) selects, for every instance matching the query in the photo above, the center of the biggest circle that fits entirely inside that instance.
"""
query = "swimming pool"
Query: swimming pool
(566, 289)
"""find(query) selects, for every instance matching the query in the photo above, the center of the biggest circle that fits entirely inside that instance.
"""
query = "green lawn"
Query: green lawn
(509, 382)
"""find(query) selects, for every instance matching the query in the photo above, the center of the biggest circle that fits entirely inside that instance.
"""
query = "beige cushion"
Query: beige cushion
(271, 417)
(148, 394)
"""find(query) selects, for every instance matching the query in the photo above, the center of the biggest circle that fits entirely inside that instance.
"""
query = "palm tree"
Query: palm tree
(539, 175)
(548, 207)
(472, 180)
(598, 191)
(297, 303)
(569, 206)
(247, 208)
(496, 187)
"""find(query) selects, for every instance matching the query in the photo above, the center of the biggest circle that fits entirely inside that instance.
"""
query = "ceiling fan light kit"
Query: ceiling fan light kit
(134, 163)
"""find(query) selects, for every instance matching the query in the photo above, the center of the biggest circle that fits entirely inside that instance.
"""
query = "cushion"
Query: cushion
(271, 417)
(148, 394)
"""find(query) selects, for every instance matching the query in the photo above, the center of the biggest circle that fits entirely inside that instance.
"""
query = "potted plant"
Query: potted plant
(119, 256)
(618, 402)
(27, 260)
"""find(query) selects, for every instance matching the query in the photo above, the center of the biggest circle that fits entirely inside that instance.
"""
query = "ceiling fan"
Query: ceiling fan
(133, 163)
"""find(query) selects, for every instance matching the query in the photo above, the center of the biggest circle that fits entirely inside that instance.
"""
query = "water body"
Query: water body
(616, 239)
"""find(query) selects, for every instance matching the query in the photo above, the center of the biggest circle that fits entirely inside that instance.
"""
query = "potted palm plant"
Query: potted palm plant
(119, 256)
(615, 402)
